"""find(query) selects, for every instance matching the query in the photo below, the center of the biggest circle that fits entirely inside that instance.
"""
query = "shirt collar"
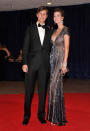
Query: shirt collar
(38, 23)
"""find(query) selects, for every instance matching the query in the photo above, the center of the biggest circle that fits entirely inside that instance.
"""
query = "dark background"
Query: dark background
(14, 23)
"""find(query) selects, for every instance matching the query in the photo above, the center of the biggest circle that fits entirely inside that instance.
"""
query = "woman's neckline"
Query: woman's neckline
(58, 34)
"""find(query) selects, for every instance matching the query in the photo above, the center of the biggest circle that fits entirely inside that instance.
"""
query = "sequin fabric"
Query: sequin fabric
(56, 106)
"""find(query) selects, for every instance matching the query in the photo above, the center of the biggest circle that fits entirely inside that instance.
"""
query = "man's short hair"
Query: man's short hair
(41, 8)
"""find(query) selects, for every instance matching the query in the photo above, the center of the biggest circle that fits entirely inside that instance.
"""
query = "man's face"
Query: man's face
(42, 16)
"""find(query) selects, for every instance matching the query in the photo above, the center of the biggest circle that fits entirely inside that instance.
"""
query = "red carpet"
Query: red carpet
(77, 112)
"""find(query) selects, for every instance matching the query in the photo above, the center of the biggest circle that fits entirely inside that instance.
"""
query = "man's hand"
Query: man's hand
(25, 68)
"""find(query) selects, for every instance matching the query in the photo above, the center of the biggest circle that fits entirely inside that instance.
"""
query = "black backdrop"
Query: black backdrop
(14, 23)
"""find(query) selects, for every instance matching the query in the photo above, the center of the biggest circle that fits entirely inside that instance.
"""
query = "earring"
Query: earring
(61, 21)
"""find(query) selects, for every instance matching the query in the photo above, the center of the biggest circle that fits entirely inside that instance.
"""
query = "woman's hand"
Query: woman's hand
(64, 69)
(25, 68)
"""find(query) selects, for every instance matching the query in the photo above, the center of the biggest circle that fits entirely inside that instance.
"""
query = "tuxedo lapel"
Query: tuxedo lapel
(37, 34)
(44, 41)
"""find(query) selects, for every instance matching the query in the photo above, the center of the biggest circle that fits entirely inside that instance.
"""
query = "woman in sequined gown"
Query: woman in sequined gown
(58, 60)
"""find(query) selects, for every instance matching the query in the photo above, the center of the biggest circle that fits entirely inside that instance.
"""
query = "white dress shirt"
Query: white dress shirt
(41, 32)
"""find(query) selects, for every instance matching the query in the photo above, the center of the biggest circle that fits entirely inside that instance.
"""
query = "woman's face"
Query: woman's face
(57, 17)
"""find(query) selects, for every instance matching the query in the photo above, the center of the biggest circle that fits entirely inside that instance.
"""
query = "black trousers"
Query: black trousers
(30, 80)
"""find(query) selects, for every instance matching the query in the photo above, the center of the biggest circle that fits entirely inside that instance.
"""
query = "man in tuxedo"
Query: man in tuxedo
(36, 64)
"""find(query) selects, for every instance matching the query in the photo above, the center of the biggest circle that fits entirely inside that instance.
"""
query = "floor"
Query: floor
(70, 86)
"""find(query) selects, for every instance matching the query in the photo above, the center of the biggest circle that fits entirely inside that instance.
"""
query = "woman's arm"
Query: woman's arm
(66, 52)
(66, 48)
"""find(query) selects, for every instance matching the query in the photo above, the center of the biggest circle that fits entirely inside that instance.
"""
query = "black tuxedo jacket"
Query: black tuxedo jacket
(34, 54)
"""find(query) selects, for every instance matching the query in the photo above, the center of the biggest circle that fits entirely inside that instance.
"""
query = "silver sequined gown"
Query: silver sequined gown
(56, 107)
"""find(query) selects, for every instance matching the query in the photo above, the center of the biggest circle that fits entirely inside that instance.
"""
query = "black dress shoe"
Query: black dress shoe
(61, 124)
(25, 121)
(43, 121)
(66, 121)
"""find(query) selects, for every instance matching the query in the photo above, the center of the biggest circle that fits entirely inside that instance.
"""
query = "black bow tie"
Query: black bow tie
(43, 26)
